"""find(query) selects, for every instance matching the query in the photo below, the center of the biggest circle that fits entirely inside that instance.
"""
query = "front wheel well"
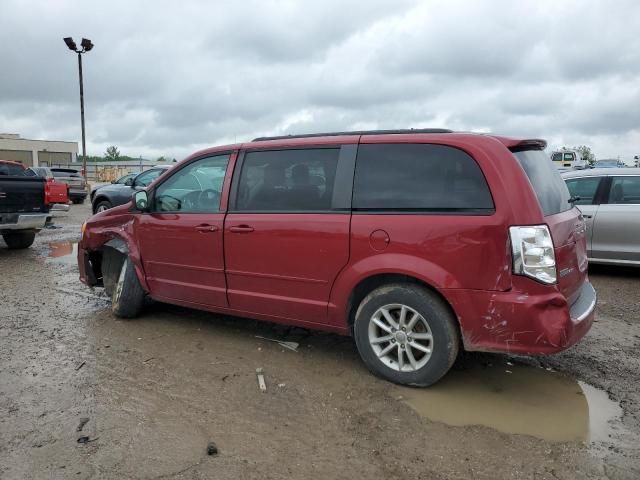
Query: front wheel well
(96, 200)
(106, 262)
(369, 284)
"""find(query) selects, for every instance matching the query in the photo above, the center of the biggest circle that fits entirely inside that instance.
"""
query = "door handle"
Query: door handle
(587, 216)
(241, 229)
(206, 228)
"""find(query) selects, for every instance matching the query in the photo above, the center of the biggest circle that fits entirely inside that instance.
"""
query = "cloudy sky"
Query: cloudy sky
(167, 78)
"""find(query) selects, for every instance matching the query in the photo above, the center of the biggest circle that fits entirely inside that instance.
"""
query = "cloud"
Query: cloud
(167, 78)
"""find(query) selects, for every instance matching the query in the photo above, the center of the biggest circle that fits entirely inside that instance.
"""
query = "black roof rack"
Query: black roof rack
(356, 132)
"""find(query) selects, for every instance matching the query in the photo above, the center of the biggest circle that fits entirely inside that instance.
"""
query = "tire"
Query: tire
(384, 357)
(19, 240)
(102, 206)
(77, 201)
(112, 261)
(127, 297)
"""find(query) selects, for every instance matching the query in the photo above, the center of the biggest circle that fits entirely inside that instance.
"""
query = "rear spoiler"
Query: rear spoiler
(529, 144)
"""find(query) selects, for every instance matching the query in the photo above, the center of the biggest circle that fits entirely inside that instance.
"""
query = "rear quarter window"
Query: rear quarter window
(551, 190)
(419, 177)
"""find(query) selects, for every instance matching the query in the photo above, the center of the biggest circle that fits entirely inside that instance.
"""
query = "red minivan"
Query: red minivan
(416, 242)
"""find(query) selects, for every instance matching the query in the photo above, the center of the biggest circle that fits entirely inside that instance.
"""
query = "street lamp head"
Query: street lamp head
(70, 43)
(86, 44)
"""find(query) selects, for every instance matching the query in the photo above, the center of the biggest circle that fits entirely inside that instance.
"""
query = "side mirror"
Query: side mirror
(129, 182)
(141, 201)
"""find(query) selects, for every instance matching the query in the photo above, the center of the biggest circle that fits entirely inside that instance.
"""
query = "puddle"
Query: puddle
(529, 401)
(63, 252)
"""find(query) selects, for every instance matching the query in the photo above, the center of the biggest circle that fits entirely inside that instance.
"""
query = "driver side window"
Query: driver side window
(195, 188)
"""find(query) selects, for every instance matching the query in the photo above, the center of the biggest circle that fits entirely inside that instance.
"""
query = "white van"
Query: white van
(569, 158)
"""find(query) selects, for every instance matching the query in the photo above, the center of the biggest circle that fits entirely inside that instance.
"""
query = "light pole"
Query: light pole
(86, 47)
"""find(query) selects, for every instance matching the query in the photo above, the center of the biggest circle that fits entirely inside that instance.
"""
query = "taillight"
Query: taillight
(533, 254)
(47, 193)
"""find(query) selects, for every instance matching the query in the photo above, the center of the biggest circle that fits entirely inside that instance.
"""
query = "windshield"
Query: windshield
(546, 181)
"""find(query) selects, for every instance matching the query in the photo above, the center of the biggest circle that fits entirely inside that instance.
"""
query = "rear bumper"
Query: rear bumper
(59, 208)
(78, 194)
(26, 221)
(532, 320)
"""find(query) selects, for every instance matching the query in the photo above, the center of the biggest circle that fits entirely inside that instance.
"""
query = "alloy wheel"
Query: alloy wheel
(400, 337)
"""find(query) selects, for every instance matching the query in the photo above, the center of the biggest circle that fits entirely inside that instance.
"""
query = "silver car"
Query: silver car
(609, 199)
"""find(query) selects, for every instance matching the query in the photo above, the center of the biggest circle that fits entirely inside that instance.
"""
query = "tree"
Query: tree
(112, 154)
(586, 154)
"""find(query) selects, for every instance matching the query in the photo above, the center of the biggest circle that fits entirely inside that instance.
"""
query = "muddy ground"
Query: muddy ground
(158, 389)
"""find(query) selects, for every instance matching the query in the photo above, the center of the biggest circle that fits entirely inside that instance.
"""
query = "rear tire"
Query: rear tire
(127, 297)
(406, 334)
(102, 206)
(19, 240)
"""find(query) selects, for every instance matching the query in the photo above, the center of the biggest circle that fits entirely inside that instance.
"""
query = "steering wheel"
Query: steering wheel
(208, 198)
(190, 201)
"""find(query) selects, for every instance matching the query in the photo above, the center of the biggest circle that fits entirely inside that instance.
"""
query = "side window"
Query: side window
(625, 190)
(287, 180)
(557, 157)
(196, 188)
(419, 177)
(145, 179)
(585, 188)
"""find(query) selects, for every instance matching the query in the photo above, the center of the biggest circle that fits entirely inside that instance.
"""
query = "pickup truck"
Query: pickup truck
(55, 192)
(23, 211)
(74, 179)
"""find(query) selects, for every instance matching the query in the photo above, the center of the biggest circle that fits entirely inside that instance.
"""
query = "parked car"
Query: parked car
(76, 182)
(55, 192)
(610, 203)
(416, 242)
(109, 196)
(23, 211)
(120, 181)
(612, 163)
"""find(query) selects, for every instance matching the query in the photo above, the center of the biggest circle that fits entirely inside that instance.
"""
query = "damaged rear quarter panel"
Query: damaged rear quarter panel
(529, 319)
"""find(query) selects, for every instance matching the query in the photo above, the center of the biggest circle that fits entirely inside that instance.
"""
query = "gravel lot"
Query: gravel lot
(156, 390)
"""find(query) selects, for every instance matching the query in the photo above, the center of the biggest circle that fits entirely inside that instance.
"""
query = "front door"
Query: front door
(287, 234)
(617, 225)
(181, 238)
(586, 190)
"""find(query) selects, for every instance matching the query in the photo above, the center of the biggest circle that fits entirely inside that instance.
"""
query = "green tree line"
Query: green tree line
(112, 154)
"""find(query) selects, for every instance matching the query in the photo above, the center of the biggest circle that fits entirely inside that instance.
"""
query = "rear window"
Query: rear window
(550, 189)
(419, 177)
(10, 169)
(66, 173)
